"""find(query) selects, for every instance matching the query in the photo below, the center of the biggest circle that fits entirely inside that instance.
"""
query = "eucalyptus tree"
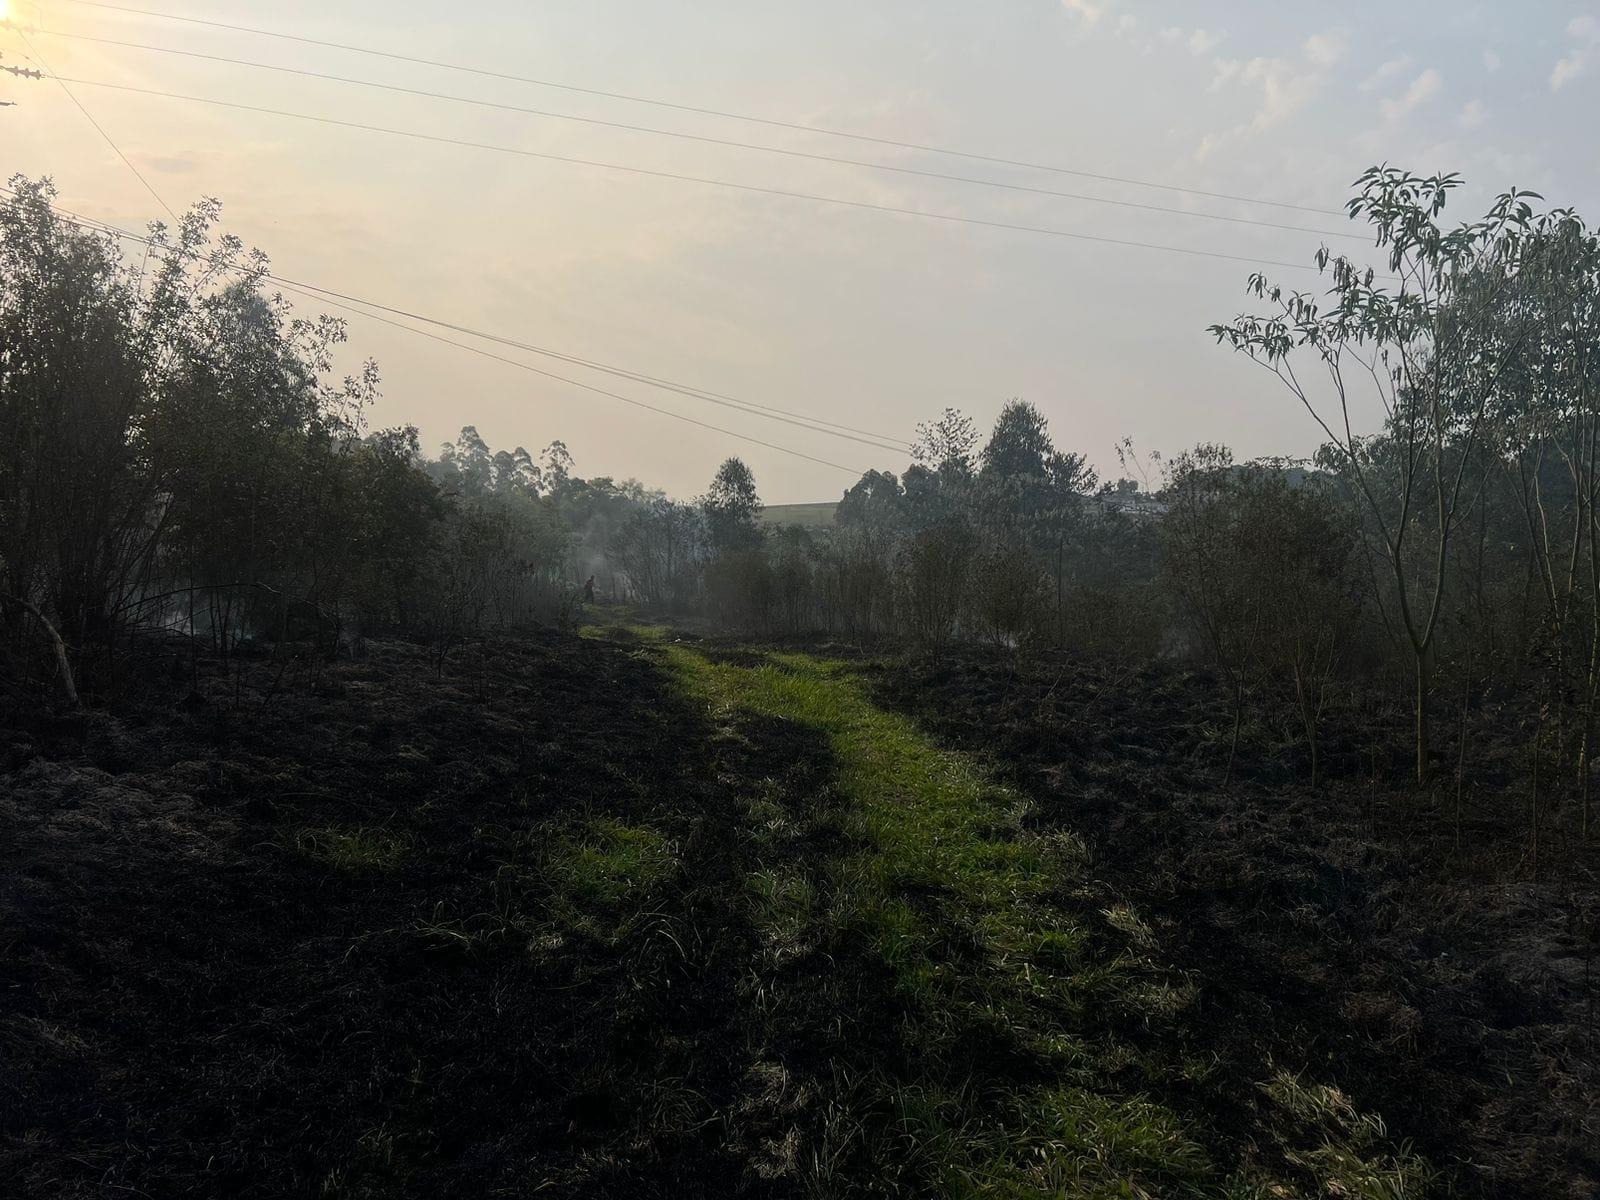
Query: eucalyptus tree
(738, 575)
(1206, 539)
(1550, 404)
(1424, 348)
(730, 506)
(876, 502)
(940, 482)
(946, 443)
(1031, 504)
(659, 548)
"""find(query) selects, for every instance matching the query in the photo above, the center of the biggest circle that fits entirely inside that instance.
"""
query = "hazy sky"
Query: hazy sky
(859, 317)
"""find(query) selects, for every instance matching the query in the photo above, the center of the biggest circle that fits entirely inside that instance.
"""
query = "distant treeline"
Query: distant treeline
(174, 455)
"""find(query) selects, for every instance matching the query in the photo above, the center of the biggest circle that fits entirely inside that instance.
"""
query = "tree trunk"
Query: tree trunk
(1461, 746)
(69, 689)
(1583, 762)
(1533, 802)
(1238, 718)
(1421, 713)
(1308, 717)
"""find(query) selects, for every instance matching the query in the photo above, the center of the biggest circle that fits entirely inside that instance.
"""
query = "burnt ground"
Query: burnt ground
(284, 946)
(323, 933)
(1449, 987)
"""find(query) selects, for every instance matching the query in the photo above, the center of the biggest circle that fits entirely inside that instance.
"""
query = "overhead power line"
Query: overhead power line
(749, 407)
(694, 137)
(752, 408)
(589, 387)
(812, 424)
(518, 151)
(128, 162)
(22, 72)
(158, 247)
(318, 295)
(796, 126)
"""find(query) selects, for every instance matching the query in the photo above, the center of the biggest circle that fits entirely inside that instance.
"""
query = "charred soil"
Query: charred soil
(379, 936)
(1437, 978)
(633, 914)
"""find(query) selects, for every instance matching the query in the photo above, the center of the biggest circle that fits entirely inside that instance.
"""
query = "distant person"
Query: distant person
(588, 591)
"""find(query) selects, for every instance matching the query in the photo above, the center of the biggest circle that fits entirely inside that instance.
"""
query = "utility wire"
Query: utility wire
(138, 174)
(749, 407)
(722, 183)
(752, 408)
(878, 441)
(694, 137)
(689, 108)
(162, 248)
(854, 472)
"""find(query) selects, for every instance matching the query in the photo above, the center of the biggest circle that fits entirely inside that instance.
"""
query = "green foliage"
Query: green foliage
(945, 445)
(354, 851)
(875, 502)
(730, 507)
(1437, 345)
(600, 872)
(177, 454)
(1349, 1152)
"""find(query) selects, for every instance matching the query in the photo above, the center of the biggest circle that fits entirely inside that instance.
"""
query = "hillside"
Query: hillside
(808, 516)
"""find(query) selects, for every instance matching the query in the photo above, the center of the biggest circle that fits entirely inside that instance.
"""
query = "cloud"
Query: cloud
(1585, 31)
(1491, 61)
(1568, 69)
(1385, 73)
(1423, 88)
(1088, 11)
(1285, 89)
(170, 164)
(1285, 86)
(1199, 41)
(1324, 49)
(1471, 115)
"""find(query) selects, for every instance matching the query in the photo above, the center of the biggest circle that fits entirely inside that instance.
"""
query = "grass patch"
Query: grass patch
(934, 842)
(354, 851)
(600, 872)
(962, 908)
(1009, 972)
(1351, 1155)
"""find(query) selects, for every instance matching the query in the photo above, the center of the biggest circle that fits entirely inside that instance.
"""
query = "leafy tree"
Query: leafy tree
(1429, 345)
(875, 501)
(945, 444)
(557, 466)
(467, 466)
(658, 548)
(730, 506)
(1031, 500)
